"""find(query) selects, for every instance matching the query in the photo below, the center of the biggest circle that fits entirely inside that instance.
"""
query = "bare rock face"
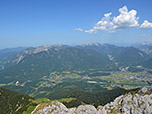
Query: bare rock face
(135, 103)
(129, 104)
(54, 108)
(32, 50)
(86, 109)
(58, 108)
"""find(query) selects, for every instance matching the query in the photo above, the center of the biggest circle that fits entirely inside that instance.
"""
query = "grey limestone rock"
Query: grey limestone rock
(131, 103)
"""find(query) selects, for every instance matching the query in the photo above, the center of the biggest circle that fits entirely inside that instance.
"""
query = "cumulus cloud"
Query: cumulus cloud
(103, 24)
(146, 24)
(125, 19)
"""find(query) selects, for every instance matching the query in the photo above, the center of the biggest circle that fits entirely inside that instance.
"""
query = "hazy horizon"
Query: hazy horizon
(36, 23)
(116, 44)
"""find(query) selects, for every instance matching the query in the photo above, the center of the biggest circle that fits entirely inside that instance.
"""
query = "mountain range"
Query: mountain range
(8, 55)
(75, 75)
(30, 63)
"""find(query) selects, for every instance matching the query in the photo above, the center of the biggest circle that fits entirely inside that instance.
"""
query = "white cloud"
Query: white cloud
(146, 24)
(126, 19)
(78, 29)
(104, 24)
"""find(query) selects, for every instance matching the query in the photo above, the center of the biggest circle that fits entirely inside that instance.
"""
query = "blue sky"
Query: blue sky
(46, 22)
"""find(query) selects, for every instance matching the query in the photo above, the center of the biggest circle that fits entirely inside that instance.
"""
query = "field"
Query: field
(58, 85)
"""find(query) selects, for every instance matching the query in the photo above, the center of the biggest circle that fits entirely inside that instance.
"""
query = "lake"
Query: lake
(1, 68)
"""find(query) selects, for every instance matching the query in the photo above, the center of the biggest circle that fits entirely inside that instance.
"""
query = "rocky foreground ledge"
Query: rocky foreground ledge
(131, 103)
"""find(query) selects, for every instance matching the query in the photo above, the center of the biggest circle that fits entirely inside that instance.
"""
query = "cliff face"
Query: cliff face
(138, 103)
(131, 103)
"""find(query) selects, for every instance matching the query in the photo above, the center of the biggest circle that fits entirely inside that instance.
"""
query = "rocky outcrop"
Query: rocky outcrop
(56, 107)
(85, 109)
(131, 103)
(31, 50)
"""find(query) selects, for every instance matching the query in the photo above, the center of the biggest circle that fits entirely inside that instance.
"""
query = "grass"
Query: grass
(72, 75)
(132, 83)
(66, 100)
(40, 82)
(41, 100)
(66, 72)
(2, 85)
(29, 110)
(36, 102)
(11, 83)
(70, 86)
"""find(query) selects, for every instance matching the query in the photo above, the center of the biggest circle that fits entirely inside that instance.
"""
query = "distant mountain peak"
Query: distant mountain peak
(98, 45)
(32, 50)
(91, 44)
(147, 42)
